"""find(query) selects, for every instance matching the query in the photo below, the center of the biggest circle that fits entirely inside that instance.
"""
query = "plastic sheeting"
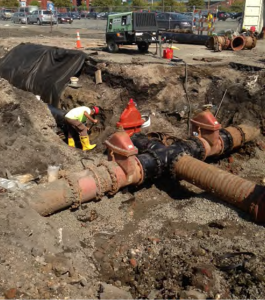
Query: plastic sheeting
(42, 70)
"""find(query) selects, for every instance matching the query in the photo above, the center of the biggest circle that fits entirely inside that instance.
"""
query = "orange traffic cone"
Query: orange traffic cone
(78, 41)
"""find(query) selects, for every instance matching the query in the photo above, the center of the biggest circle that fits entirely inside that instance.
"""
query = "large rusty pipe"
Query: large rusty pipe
(251, 42)
(240, 192)
(239, 135)
(79, 187)
(242, 134)
(223, 41)
(238, 43)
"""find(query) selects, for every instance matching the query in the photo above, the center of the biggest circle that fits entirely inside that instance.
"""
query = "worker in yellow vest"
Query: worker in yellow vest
(209, 22)
(76, 119)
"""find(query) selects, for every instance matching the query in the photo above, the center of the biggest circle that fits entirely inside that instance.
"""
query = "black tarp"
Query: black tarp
(42, 70)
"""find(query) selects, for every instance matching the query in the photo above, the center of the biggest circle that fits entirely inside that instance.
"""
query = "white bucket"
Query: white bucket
(74, 80)
(147, 122)
(53, 173)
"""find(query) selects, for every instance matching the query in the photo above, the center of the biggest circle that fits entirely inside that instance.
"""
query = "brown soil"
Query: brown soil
(160, 240)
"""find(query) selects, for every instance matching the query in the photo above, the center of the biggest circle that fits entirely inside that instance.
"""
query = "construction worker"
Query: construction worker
(76, 119)
(209, 22)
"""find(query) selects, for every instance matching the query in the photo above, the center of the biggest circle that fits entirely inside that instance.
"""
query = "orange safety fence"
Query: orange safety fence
(201, 23)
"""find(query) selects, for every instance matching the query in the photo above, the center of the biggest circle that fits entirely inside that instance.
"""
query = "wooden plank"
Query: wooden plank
(98, 77)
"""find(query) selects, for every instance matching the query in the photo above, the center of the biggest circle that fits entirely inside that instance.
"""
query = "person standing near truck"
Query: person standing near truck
(76, 119)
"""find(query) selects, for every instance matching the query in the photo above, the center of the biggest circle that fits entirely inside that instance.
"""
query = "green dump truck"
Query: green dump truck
(131, 28)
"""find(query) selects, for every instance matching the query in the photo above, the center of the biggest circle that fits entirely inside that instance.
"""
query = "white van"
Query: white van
(28, 9)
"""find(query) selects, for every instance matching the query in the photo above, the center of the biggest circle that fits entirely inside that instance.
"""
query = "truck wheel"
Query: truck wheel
(112, 47)
(143, 47)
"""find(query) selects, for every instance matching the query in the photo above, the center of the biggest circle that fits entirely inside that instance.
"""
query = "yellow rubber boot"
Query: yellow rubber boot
(71, 142)
(86, 144)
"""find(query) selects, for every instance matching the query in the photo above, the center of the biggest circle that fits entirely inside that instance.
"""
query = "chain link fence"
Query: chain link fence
(225, 18)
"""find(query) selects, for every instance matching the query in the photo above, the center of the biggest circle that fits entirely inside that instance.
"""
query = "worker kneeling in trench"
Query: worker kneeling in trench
(76, 119)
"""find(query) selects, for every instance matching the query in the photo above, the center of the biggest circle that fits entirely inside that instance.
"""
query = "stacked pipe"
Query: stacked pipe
(236, 43)
(132, 161)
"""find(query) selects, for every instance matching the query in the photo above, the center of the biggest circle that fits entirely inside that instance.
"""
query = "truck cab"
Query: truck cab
(131, 28)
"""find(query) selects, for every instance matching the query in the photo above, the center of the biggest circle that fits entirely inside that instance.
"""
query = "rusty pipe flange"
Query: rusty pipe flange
(158, 162)
(242, 134)
(114, 186)
(100, 194)
(172, 166)
(201, 147)
(257, 206)
(76, 191)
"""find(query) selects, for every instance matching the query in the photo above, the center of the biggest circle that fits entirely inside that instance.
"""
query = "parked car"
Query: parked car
(83, 14)
(64, 19)
(6, 14)
(222, 16)
(92, 15)
(28, 9)
(237, 15)
(74, 15)
(173, 21)
(103, 15)
(42, 17)
(19, 17)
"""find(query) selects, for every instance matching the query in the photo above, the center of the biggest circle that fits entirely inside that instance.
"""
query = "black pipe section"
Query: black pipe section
(142, 142)
(156, 161)
(58, 115)
(186, 38)
(227, 139)
(156, 158)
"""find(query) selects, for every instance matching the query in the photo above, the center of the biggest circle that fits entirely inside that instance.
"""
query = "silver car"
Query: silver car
(6, 14)
(42, 17)
(19, 17)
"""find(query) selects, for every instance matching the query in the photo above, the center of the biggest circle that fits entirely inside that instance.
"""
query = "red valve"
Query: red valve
(131, 119)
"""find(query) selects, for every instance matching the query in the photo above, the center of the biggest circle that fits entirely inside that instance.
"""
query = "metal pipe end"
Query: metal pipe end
(250, 132)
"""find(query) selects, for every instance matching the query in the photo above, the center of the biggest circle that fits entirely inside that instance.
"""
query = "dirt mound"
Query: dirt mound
(29, 142)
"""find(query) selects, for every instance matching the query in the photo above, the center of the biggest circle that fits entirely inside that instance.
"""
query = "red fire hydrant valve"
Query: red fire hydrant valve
(131, 119)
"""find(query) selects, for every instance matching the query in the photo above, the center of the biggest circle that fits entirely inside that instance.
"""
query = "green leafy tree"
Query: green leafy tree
(83, 6)
(171, 5)
(237, 6)
(62, 3)
(139, 3)
(35, 3)
(102, 3)
(196, 3)
(9, 3)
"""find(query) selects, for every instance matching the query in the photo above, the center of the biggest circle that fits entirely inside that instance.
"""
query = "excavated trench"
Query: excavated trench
(164, 265)
(163, 239)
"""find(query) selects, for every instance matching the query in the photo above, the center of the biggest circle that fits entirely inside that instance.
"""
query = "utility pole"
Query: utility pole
(208, 4)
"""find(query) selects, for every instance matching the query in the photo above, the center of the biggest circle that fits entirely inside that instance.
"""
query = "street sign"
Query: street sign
(50, 6)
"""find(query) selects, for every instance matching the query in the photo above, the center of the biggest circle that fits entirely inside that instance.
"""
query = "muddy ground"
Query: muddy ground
(160, 240)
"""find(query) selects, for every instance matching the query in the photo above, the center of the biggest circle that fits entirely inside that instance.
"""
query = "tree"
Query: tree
(139, 3)
(237, 6)
(171, 5)
(196, 3)
(9, 3)
(83, 6)
(62, 3)
(102, 3)
(35, 3)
